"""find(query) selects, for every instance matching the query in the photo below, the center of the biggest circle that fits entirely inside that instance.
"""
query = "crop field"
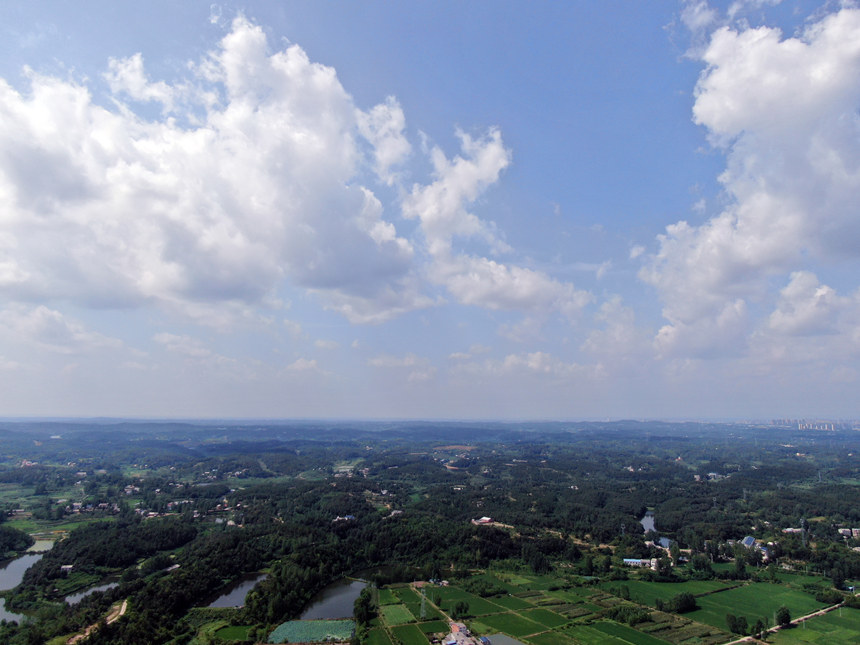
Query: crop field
(397, 614)
(433, 626)
(646, 593)
(512, 624)
(387, 597)
(838, 627)
(512, 602)
(627, 634)
(233, 633)
(758, 600)
(409, 635)
(545, 617)
(305, 631)
(378, 636)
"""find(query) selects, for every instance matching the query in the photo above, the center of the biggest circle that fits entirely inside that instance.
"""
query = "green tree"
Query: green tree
(783, 617)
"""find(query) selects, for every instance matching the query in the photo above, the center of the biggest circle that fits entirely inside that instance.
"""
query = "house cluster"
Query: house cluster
(460, 635)
(749, 542)
(850, 533)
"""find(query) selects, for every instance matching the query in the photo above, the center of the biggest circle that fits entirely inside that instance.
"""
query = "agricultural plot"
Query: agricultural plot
(397, 614)
(627, 634)
(309, 631)
(409, 635)
(759, 600)
(233, 633)
(378, 636)
(646, 593)
(512, 602)
(433, 626)
(838, 627)
(545, 617)
(387, 597)
(512, 624)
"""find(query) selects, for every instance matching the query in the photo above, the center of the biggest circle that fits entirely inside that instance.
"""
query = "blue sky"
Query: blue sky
(430, 209)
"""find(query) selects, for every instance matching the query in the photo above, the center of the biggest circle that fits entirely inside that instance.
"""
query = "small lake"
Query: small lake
(234, 595)
(75, 598)
(647, 521)
(335, 601)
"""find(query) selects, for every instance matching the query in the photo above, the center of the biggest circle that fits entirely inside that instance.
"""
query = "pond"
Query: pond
(234, 595)
(647, 521)
(75, 598)
(335, 601)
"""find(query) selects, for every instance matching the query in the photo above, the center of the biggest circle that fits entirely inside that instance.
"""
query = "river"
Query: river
(75, 598)
(11, 574)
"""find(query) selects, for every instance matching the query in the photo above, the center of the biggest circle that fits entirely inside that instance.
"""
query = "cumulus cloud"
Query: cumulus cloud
(784, 111)
(441, 208)
(418, 368)
(109, 208)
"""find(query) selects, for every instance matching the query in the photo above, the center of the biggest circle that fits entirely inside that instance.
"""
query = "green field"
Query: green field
(233, 633)
(397, 614)
(512, 602)
(627, 634)
(378, 636)
(512, 624)
(754, 601)
(838, 627)
(433, 626)
(387, 597)
(545, 617)
(646, 593)
(410, 635)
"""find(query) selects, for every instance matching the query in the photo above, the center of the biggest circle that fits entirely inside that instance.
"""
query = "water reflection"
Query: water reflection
(335, 601)
(12, 571)
(75, 598)
(234, 595)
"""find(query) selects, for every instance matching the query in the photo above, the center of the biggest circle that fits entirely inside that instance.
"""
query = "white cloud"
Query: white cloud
(785, 112)
(326, 344)
(419, 368)
(441, 208)
(806, 307)
(383, 127)
(105, 207)
(51, 330)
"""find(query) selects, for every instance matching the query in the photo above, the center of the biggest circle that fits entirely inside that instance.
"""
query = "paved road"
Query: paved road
(796, 621)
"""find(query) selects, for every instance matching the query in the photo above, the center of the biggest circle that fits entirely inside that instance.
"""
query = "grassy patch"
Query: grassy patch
(378, 636)
(396, 614)
(512, 624)
(512, 602)
(387, 597)
(759, 600)
(838, 627)
(545, 617)
(433, 626)
(627, 634)
(233, 633)
(409, 635)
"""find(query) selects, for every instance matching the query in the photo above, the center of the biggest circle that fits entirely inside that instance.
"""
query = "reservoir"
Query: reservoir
(335, 601)
(234, 595)
(647, 521)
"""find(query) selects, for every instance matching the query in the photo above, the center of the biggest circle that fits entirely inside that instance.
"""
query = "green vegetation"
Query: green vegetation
(305, 631)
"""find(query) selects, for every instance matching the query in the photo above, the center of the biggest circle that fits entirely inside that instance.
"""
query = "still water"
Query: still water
(75, 598)
(335, 601)
(234, 595)
(11, 573)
